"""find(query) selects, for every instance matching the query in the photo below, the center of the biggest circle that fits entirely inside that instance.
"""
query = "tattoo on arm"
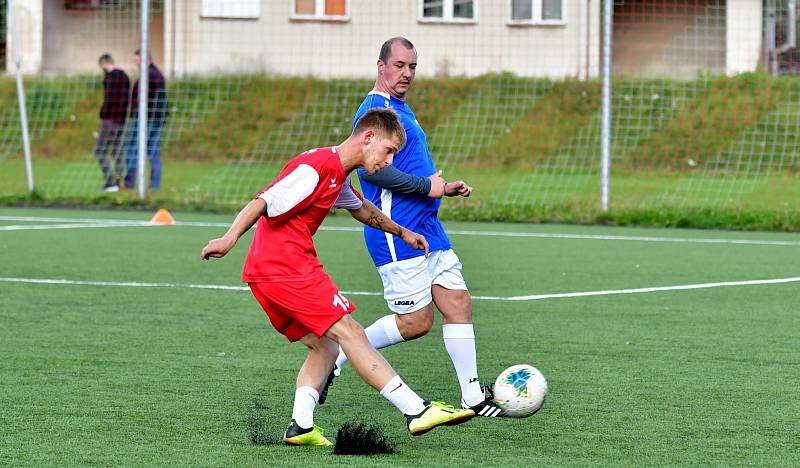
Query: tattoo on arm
(375, 221)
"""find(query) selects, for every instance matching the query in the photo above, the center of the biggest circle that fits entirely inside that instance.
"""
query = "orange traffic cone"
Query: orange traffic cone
(162, 217)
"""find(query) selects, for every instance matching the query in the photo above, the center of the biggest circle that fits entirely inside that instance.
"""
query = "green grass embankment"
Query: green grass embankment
(715, 152)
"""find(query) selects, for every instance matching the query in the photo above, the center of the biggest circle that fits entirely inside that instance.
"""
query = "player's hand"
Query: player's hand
(217, 248)
(416, 241)
(437, 185)
(457, 189)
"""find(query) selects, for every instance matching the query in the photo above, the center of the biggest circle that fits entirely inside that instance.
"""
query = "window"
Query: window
(538, 12)
(463, 11)
(90, 4)
(326, 10)
(244, 9)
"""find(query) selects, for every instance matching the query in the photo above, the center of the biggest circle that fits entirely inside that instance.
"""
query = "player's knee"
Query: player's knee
(461, 300)
(416, 325)
(313, 346)
(457, 308)
(330, 348)
(462, 313)
(311, 342)
(424, 324)
(350, 331)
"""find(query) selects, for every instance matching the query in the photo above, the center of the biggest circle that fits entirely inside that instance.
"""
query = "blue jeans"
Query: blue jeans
(153, 152)
(110, 141)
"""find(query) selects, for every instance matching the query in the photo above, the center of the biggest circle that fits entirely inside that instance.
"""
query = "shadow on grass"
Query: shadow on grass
(261, 429)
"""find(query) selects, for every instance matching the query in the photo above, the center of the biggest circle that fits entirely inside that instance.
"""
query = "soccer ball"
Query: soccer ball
(520, 390)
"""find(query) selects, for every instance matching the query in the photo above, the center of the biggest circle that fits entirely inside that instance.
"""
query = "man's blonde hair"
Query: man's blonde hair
(383, 121)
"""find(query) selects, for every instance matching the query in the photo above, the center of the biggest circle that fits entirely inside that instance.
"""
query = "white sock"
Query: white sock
(382, 333)
(305, 400)
(402, 397)
(459, 339)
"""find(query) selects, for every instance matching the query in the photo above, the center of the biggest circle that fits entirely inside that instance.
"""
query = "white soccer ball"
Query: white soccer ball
(520, 390)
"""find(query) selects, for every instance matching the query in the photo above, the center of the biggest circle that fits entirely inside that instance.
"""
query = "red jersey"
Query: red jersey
(297, 203)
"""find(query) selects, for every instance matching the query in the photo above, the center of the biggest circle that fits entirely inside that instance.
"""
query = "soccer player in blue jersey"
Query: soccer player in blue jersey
(409, 192)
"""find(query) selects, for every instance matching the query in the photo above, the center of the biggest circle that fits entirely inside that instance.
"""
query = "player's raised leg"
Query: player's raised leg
(411, 287)
(389, 330)
(370, 365)
(407, 290)
(302, 430)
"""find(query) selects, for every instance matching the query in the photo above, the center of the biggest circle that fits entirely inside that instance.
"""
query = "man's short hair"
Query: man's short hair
(386, 48)
(138, 53)
(106, 58)
(384, 121)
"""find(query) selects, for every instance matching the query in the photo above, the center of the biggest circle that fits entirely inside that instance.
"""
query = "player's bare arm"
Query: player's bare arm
(458, 188)
(370, 215)
(441, 188)
(243, 222)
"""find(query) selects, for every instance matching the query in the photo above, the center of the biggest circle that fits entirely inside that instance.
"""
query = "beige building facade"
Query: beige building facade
(323, 38)
(340, 38)
(282, 42)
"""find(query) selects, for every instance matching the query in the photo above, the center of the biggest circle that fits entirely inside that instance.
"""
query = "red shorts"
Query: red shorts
(297, 308)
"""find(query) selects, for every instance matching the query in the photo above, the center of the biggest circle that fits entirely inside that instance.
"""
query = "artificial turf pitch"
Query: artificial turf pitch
(126, 374)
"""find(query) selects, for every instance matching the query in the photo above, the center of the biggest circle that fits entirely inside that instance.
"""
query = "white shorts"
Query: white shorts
(407, 283)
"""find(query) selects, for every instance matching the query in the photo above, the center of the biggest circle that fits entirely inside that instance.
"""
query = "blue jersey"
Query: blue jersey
(415, 212)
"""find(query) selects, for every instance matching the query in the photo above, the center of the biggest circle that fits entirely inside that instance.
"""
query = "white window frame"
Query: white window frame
(319, 12)
(536, 9)
(223, 9)
(447, 14)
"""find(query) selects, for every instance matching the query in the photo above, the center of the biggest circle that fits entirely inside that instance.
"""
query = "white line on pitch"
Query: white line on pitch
(44, 227)
(136, 284)
(546, 235)
(612, 292)
(128, 284)
(536, 297)
(541, 235)
(46, 219)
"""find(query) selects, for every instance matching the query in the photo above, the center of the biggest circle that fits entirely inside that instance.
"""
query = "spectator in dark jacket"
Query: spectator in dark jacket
(157, 110)
(116, 93)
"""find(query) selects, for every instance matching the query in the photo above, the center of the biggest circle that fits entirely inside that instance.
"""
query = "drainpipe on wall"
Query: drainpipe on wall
(791, 28)
(772, 49)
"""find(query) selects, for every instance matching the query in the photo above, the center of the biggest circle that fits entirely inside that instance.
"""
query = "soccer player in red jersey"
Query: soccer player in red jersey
(301, 301)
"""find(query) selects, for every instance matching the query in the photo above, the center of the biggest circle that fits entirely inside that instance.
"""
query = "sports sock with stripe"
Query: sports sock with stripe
(402, 397)
(459, 339)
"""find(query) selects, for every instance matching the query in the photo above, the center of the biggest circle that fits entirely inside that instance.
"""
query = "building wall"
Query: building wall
(54, 40)
(27, 15)
(274, 43)
(685, 39)
(670, 38)
(74, 39)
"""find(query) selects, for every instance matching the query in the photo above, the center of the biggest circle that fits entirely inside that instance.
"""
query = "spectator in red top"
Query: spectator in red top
(157, 110)
(116, 93)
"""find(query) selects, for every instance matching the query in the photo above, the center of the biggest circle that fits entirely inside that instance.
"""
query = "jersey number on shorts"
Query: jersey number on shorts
(340, 301)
